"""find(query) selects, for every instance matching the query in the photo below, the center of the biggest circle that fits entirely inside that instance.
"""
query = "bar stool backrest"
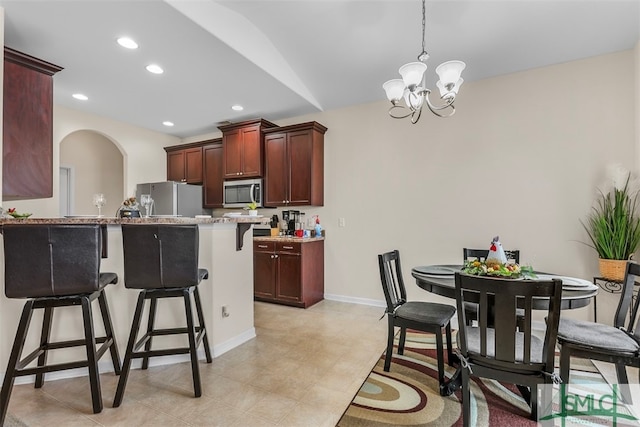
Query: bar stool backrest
(158, 256)
(45, 260)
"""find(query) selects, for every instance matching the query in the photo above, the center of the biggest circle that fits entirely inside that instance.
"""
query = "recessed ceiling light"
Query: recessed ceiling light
(167, 123)
(80, 96)
(155, 69)
(127, 42)
(237, 107)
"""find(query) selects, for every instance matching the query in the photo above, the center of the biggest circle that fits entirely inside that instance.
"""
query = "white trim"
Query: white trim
(355, 300)
(234, 342)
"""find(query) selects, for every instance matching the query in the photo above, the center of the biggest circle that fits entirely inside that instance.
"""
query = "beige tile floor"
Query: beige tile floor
(302, 369)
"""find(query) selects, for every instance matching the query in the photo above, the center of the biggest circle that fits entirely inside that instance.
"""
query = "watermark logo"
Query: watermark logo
(597, 404)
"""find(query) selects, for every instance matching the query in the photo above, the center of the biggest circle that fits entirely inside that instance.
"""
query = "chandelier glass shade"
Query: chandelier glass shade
(411, 88)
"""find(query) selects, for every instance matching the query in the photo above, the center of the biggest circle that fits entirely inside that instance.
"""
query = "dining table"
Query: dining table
(440, 280)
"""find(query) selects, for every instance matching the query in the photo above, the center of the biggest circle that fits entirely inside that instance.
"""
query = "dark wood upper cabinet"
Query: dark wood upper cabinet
(243, 148)
(184, 163)
(27, 149)
(294, 165)
(213, 180)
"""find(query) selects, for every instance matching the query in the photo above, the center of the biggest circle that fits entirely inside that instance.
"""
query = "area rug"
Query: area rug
(408, 395)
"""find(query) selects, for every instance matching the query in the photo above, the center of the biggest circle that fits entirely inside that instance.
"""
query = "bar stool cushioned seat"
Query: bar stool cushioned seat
(162, 261)
(56, 265)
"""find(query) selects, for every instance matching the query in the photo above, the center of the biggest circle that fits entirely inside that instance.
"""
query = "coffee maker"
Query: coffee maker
(291, 217)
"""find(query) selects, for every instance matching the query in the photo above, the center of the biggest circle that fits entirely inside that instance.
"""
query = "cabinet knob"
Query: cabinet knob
(275, 256)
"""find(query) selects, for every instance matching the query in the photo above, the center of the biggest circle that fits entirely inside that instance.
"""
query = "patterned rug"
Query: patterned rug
(409, 393)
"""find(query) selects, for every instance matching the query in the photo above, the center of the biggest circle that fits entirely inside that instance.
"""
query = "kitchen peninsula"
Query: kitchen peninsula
(230, 285)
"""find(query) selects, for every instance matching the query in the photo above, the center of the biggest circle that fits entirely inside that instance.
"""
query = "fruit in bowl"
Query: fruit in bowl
(16, 214)
(493, 267)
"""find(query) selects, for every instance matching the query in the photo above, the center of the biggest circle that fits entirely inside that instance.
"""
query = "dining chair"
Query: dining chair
(596, 341)
(505, 352)
(419, 315)
(481, 255)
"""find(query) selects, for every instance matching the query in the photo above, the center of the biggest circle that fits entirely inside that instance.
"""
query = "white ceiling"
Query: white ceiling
(281, 59)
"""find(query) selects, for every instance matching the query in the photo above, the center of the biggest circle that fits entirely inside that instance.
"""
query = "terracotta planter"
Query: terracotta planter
(613, 269)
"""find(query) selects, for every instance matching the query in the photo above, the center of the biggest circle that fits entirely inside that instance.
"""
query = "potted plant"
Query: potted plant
(614, 227)
(252, 208)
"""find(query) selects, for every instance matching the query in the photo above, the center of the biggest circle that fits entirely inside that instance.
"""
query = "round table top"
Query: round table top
(444, 284)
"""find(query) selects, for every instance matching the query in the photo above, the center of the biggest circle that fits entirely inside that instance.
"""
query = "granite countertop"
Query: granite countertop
(288, 239)
(118, 221)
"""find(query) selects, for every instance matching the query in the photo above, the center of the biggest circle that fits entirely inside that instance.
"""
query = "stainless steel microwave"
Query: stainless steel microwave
(237, 194)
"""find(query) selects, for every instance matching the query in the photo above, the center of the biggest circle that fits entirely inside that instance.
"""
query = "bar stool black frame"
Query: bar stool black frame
(160, 257)
(76, 242)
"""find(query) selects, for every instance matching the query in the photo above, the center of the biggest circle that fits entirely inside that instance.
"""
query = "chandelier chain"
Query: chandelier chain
(423, 55)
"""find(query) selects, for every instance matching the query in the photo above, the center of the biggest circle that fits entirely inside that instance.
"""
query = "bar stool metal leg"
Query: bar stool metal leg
(193, 349)
(205, 339)
(44, 342)
(108, 328)
(14, 359)
(150, 324)
(126, 365)
(92, 359)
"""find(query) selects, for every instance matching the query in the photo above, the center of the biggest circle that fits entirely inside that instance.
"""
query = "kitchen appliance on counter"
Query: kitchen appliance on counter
(173, 198)
(238, 194)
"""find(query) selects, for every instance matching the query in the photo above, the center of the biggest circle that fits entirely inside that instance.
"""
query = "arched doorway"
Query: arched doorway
(96, 166)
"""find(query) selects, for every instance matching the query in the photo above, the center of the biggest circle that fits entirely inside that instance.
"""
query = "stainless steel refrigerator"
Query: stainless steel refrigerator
(172, 198)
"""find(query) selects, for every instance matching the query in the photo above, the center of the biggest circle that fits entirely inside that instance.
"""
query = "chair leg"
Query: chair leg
(533, 402)
(92, 360)
(205, 339)
(150, 324)
(108, 328)
(623, 383)
(193, 350)
(14, 359)
(44, 341)
(449, 344)
(403, 338)
(126, 365)
(565, 363)
(389, 352)
(466, 398)
(440, 351)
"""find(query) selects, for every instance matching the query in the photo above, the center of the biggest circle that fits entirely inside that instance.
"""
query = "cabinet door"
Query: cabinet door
(175, 166)
(193, 165)
(27, 128)
(213, 180)
(289, 284)
(264, 274)
(300, 151)
(276, 170)
(251, 152)
(232, 151)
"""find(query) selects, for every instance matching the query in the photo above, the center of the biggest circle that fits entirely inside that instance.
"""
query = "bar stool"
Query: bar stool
(56, 266)
(162, 261)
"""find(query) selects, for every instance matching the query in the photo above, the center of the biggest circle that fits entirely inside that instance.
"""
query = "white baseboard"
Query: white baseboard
(354, 300)
(106, 365)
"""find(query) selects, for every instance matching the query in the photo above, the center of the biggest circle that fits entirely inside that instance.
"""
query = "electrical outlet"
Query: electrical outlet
(225, 311)
(342, 222)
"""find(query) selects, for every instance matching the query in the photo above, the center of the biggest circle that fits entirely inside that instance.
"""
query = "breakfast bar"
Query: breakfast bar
(229, 287)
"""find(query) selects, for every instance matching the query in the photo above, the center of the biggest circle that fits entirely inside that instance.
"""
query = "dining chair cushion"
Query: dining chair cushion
(591, 334)
(473, 344)
(426, 312)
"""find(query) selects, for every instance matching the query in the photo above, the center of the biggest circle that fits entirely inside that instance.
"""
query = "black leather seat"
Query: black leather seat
(162, 260)
(56, 266)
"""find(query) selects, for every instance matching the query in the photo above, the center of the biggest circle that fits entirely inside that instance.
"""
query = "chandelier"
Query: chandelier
(411, 88)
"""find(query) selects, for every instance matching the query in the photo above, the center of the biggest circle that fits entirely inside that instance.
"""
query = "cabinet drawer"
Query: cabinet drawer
(288, 247)
(264, 246)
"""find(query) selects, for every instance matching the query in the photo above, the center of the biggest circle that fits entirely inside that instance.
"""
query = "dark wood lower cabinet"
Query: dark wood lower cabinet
(290, 273)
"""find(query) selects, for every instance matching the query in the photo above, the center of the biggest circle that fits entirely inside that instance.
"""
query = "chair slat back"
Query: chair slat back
(632, 274)
(392, 282)
(481, 254)
(500, 298)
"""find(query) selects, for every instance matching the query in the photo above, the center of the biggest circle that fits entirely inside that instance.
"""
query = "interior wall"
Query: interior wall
(97, 165)
(522, 158)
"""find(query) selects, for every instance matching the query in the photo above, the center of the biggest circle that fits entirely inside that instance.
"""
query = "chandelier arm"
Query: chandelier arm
(399, 107)
(435, 109)
(416, 116)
